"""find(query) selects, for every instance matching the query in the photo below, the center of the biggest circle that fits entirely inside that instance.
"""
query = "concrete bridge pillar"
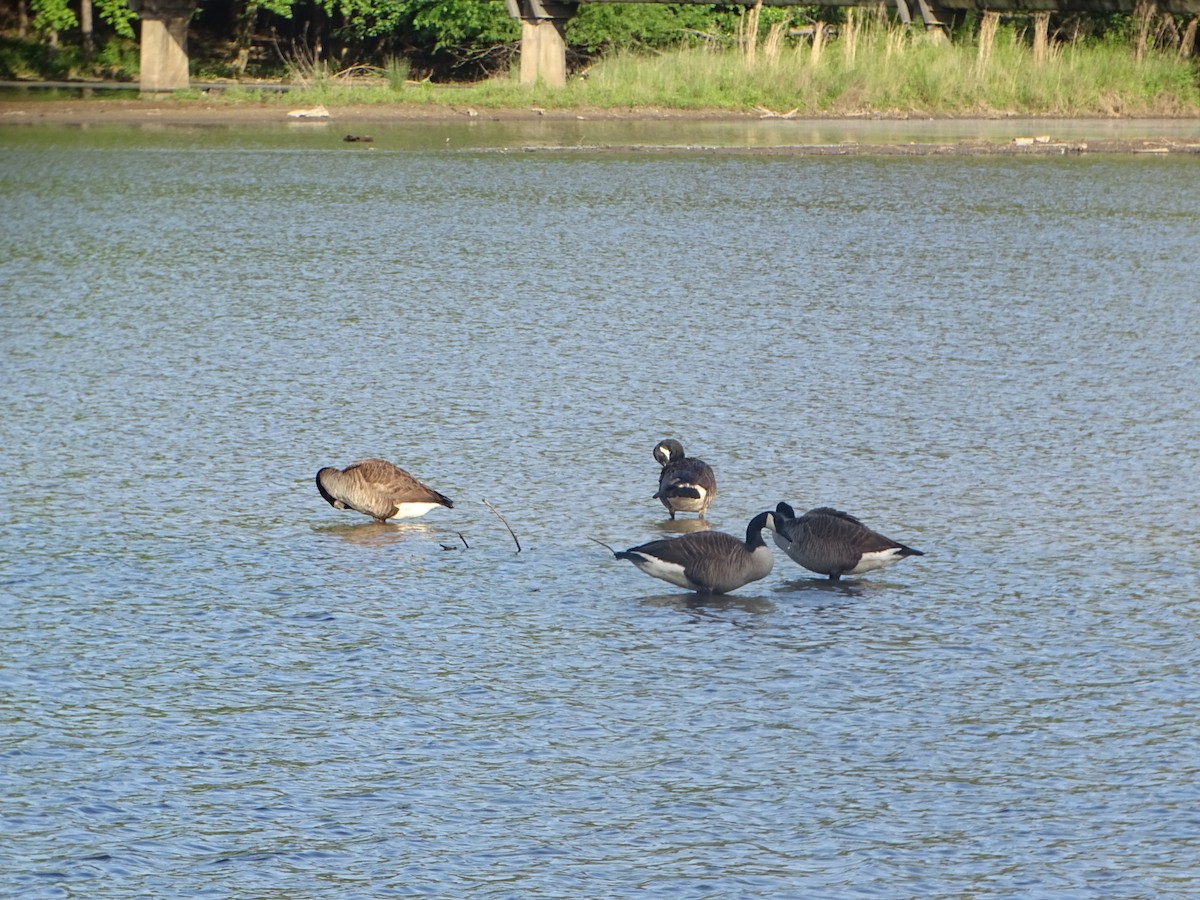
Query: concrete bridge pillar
(543, 39)
(933, 17)
(164, 56)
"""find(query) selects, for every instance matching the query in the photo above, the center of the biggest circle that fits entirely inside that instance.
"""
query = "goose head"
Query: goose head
(668, 451)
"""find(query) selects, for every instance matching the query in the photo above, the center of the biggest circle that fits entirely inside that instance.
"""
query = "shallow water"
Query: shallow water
(214, 684)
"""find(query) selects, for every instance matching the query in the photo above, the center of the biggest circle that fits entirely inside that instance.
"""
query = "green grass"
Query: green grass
(878, 69)
(902, 72)
(873, 68)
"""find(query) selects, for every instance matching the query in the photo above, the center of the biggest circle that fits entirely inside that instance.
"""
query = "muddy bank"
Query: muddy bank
(1032, 136)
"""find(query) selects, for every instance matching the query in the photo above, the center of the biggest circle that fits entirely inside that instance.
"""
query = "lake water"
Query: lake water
(212, 684)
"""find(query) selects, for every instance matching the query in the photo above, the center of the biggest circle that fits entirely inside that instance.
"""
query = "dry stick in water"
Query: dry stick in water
(602, 544)
(466, 546)
(506, 525)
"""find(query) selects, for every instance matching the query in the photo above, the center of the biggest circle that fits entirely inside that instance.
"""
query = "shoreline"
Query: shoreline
(1036, 135)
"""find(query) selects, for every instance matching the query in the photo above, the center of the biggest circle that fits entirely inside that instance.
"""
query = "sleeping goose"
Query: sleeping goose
(376, 488)
(710, 562)
(685, 484)
(834, 543)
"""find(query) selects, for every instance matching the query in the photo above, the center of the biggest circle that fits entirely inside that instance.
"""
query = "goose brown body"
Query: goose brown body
(830, 542)
(710, 562)
(685, 484)
(379, 489)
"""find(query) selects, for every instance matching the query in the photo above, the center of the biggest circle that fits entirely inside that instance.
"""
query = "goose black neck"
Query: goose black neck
(754, 538)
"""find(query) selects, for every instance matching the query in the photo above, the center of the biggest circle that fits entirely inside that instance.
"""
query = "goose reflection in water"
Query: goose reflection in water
(708, 606)
(682, 526)
(375, 534)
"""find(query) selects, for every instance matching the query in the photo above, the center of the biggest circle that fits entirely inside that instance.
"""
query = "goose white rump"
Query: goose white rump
(685, 484)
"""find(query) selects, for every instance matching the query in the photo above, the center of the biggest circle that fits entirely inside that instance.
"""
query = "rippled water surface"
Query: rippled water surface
(213, 684)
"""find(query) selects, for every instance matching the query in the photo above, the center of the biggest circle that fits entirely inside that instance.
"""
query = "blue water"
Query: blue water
(213, 684)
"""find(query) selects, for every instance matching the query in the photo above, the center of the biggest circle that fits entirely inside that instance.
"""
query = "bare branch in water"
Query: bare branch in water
(602, 544)
(466, 546)
(506, 525)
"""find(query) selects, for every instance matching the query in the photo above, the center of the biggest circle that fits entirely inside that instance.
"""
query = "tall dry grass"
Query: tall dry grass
(873, 66)
(988, 26)
(886, 68)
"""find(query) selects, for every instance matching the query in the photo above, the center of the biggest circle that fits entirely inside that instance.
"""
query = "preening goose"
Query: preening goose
(376, 488)
(834, 543)
(710, 562)
(685, 484)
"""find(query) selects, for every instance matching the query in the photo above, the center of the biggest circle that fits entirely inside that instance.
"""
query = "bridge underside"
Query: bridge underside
(543, 22)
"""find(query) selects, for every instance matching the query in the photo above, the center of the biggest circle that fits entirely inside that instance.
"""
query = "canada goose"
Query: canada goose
(686, 484)
(710, 562)
(834, 543)
(376, 488)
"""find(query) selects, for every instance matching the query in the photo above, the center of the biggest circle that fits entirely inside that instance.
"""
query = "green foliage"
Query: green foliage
(603, 27)
(461, 23)
(118, 15)
(461, 37)
(115, 59)
(52, 15)
(118, 60)
(22, 59)
(282, 8)
(58, 16)
(367, 18)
